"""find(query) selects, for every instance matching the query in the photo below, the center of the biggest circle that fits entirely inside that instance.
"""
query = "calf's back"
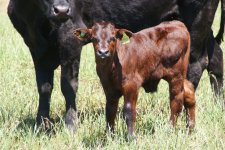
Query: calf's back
(156, 52)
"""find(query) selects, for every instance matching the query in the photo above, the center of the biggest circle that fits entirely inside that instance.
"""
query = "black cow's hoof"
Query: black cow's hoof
(71, 120)
(43, 123)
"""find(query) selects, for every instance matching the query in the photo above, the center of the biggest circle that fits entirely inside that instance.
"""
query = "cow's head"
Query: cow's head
(56, 10)
(104, 36)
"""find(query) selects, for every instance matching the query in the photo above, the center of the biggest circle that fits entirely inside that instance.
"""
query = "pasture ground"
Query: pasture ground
(19, 100)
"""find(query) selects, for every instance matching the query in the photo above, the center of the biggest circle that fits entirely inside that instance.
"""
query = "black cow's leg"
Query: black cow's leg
(70, 50)
(69, 85)
(195, 70)
(44, 78)
(215, 68)
(200, 32)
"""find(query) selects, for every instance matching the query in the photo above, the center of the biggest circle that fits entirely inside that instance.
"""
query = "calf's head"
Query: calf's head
(56, 10)
(104, 36)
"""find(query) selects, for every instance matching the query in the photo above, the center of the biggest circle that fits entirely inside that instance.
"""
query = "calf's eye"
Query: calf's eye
(112, 39)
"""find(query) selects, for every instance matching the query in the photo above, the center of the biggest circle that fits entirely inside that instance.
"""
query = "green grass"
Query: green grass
(19, 100)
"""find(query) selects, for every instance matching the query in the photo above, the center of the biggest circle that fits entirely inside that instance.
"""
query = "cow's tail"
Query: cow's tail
(219, 36)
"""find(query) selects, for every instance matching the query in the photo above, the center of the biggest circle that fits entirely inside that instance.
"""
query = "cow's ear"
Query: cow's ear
(120, 32)
(83, 34)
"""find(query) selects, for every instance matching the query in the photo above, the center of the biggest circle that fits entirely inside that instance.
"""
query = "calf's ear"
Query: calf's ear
(83, 34)
(120, 32)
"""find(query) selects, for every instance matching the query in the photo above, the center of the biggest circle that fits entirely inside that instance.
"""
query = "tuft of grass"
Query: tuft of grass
(19, 100)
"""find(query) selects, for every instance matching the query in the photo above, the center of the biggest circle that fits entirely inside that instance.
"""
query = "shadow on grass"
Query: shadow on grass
(102, 138)
(28, 124)
(96, 134)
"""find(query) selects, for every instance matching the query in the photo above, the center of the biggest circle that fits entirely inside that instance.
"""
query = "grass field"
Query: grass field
(19, 100)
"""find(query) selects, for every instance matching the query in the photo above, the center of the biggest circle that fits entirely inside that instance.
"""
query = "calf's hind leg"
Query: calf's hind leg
(176, 97)
(189, 104)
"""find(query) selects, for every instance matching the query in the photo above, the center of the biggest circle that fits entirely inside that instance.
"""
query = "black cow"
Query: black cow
(47, 29)
(47, 25)
(205, 50)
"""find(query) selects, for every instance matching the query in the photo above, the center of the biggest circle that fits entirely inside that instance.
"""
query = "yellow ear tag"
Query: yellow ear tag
(125, 39)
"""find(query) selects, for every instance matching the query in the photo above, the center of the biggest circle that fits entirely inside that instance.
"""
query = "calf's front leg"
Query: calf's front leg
(112, 100)
(111, 109)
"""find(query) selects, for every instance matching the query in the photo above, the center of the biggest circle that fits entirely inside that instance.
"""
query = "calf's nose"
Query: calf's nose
(103, 52)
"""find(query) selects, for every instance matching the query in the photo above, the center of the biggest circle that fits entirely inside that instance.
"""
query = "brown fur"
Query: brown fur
(161, 52)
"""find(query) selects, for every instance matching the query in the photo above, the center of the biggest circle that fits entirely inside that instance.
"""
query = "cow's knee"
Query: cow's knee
(194, 73)
(45, 88)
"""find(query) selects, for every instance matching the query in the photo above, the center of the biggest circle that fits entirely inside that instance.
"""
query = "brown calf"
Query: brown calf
(161, 52)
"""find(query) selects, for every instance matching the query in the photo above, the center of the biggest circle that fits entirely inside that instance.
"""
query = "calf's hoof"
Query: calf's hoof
(131, 138)
(190, 127)
(71, 120)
